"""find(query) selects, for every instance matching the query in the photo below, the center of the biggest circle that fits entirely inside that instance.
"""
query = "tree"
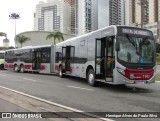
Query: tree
(6, 48)
(22, 39)
(157, 48)
(55, 35)
(2, 34)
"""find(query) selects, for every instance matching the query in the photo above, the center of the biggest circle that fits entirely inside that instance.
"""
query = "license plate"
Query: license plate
(140, 82)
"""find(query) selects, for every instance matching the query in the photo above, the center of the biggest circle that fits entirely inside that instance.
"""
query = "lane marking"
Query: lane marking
(2, 75)
(55, 104)
(30, 79)
(81, 88)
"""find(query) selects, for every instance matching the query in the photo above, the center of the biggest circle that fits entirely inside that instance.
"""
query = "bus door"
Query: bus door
(100, 59)
(68, 58)
(104, 59)
(37, 60)
(109, 54)
(68, 53)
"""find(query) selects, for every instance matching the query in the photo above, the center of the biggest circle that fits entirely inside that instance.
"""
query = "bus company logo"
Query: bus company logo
(131, 76)
(6, 115)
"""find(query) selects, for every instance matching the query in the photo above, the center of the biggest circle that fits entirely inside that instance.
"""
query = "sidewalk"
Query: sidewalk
(14, 102)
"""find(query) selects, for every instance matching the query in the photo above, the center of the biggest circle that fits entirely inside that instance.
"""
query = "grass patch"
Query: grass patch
(158, 59)
(157, 78)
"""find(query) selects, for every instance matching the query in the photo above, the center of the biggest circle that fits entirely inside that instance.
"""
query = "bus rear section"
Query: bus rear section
(2, 59)
(31, 59)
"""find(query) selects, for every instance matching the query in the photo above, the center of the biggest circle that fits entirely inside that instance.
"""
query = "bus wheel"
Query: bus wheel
(15, 68)
(60, 72)
(1, 67)
(91, 78)
(22, 69)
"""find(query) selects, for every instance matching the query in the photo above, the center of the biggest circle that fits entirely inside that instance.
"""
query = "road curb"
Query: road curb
(56, 104)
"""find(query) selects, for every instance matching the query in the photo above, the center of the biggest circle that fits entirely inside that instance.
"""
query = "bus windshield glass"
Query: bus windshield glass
(1, 55)
(136, 49)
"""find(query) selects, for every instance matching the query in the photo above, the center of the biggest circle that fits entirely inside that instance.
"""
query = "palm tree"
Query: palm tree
(2, 34)
(22, 39)
(55, 35)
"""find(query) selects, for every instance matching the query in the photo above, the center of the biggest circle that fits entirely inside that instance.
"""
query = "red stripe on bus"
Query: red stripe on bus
(139, 74)
(5, 66)
(28, 66)
(8, 66)
(56, 67)
(42, 67)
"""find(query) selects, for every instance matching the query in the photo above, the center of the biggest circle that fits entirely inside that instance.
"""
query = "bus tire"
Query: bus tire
(61, 72)
(22, 69)
(91, 78)
(1, 66)
(16, 68)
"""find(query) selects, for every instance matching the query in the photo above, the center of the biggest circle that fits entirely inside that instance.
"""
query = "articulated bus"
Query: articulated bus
(2, 59)
(114, 54)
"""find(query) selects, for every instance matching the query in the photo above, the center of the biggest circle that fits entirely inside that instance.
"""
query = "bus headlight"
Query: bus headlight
(121, 71)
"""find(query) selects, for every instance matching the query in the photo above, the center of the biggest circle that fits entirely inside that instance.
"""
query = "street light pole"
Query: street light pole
(14, 16)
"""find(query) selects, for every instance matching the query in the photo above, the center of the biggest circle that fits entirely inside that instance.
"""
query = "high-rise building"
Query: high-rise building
(153, 11)
(78, 16)
(90, 15)
(83, 16)
(141, 12)
(158, 10)
(53, 16)
(110, 12)
(5, 42)
(116, 12)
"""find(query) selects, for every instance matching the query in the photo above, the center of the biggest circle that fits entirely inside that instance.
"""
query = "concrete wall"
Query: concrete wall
(39, 38)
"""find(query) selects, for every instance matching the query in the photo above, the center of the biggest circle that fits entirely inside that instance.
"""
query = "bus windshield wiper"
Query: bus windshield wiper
(133, 43)
(131, 40)
(144, 39)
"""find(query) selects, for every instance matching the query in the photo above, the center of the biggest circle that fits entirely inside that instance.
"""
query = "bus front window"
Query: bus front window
(136, 49)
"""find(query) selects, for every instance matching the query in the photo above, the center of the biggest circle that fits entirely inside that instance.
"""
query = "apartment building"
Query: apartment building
(54, 15)
(110, 12)
(149, 17)
(78, 16)
(133, 15)
(158, 10)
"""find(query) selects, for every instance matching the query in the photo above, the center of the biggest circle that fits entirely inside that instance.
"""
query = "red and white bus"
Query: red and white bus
(35, 59)
(114, 54)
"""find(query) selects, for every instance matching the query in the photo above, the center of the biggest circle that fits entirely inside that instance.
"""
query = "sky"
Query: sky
(25, 8)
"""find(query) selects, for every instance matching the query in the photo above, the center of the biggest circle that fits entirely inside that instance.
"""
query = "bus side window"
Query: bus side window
(57, 57)
(72, 53)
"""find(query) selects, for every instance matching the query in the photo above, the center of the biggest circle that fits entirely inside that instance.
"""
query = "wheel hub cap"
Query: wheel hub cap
(91, 77)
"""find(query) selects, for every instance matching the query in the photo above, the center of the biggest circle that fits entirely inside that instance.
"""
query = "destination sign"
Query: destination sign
(134, 31)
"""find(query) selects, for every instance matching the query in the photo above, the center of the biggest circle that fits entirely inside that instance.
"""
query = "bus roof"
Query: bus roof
(1, 51)
(85, 35)
(102, 29)
(30, 47)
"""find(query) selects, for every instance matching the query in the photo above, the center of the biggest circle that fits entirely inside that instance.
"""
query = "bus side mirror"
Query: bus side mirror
(117, 46)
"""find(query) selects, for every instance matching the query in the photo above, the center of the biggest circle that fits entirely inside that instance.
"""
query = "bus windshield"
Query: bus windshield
(136, 49)
(1, 55)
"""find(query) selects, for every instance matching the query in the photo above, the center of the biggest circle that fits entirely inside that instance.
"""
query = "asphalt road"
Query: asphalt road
(76, 93)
